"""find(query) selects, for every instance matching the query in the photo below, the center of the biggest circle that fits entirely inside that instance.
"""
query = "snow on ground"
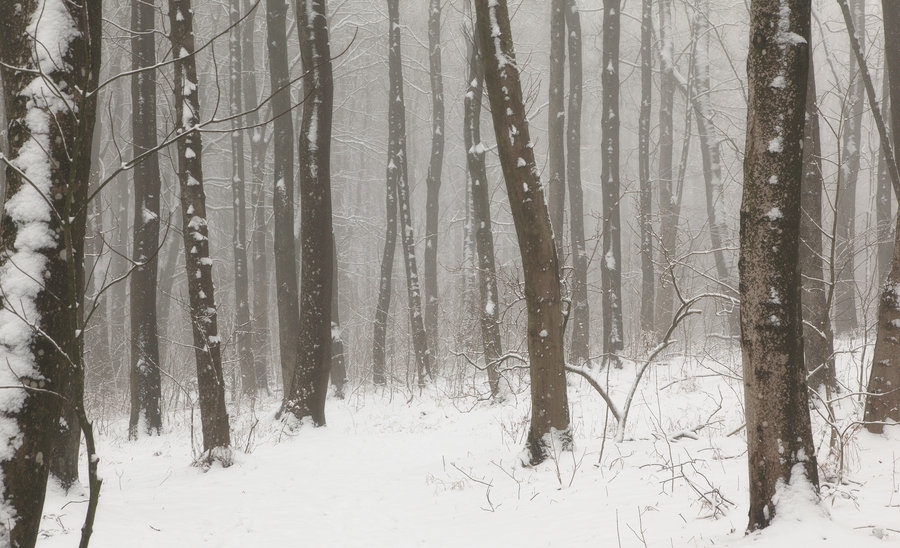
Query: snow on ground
(441, 471)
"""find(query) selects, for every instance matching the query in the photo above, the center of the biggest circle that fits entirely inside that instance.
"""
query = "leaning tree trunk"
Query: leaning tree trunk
(611, 265)
(580, 317)
(780, 450)
(310, 383)
(286, 293)
(845, 314)
(549, 429)
(668, 207)
(645, 207)
(883, 401)
(144, 372)
(242, 325)
(50, 119)
(556, 124)
(198, 264)
(489, 311)
(818, 339)
(433, 182)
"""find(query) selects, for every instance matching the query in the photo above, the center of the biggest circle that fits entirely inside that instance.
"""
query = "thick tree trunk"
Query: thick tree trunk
(489, 309)
(556, 124)
(580, 316)
(145, 376)
(818, 339)
(549, 429)
(434, 176)
(668, 207)
(286, 292)
(779, 438)
(50, 123)
(310, 383)
(242, 324)
(845, 314)
(611, 265)
(883, 402)
(201, 293)
(645, 207)
(338, 353)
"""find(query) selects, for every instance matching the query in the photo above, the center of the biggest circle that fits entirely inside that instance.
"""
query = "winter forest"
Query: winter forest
(449, 273)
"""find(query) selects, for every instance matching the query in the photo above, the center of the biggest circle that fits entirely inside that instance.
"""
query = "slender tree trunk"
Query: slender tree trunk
(242, 325)
(611, 265)
(286, 292)
(645, 207)
(883, 192)
(201, 293)
(845, 314)
(818, 338)
(779, 438)
(579, 351)
(556, 124)
(310, 384)
(549, 429)
(258, 232)
(489, 309)
(883, 402)
(668, 231)
(338, 353)
(50, 120)
(434, 176)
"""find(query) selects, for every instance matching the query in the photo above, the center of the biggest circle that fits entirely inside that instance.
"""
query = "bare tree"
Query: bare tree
(549, 401)
(645, 207)
(556, 123)
(50, 54)
(195, 231)
(883, 192)
(779, 437)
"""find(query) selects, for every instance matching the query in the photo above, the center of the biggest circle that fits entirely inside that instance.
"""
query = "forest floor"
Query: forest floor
(403, 468)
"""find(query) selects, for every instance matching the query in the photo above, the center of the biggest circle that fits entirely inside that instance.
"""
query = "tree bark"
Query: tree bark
(310, 383)
(556, 125)
(549, 427)
(645, 207)
(779, 438)
(611, 265)
(489, 309)
(198, 264)
(338, 354)
(146, 380)
(50, 118)
(433, 181)
(580, 317)
(286, 291)
(883, 193)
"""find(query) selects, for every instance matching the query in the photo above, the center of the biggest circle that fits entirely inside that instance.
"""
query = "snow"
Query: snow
(399, 468)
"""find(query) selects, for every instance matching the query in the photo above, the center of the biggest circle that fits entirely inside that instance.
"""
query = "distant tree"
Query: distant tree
(580, 316)
(310, 380)
(645, 206)
(195, 231)
(433, 181)
(556, 124)
(50, 54)
(549, 427)
(780, 449)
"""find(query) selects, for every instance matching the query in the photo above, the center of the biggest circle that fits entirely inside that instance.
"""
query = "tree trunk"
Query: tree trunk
(883, 192)
(580, 317)
(845, 314)
(779, 438)
(645, 208)
(556, 124)
(668, 209)
(198, 264)
(338, 354)
(286, 293)
(146, 379)
(883, 402)
(611, 265)
(310, 383)
(242, 325)
(50, 123)
(489, 309)
(549, 429)
(434, 176)
(818, 347)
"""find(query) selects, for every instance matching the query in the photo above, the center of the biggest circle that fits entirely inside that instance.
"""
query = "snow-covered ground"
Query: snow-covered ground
(445, 471)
